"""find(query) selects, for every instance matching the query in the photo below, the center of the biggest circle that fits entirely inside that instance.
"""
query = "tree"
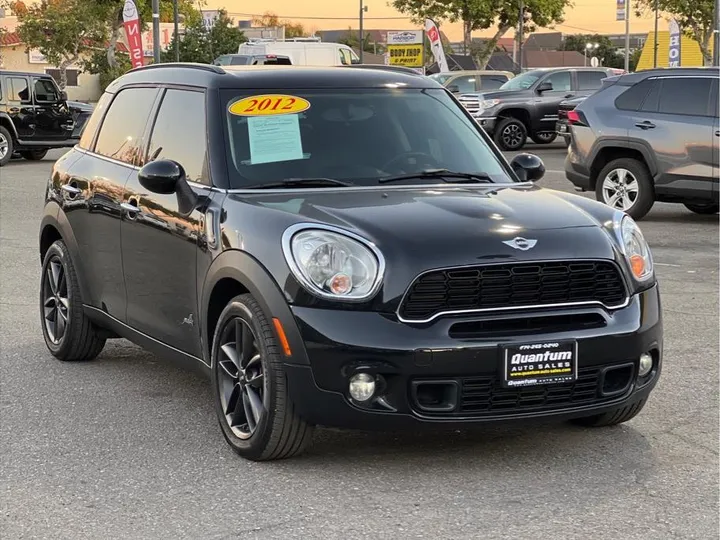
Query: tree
(352, 39)
(292, 30)
(485, 14)
(62, 30)
(695, 18)
(202, 45)
(606, 52)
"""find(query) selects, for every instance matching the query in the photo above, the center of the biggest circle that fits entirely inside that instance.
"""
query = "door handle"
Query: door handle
(645, 125)
(70, 190)
(569, 95)
(717, 133)
(131, 208)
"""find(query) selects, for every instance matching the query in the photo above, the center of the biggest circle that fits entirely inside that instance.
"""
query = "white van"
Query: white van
(303, 51)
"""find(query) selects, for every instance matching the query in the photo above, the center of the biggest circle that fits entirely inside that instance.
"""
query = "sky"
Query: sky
(585, 17)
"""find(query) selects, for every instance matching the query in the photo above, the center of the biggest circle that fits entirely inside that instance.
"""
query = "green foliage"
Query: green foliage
(606, 52)
(352, 39)
(485, 14)
(203, 46)
(292, 30)
(695, 18)
(62, 30)
(98, 64)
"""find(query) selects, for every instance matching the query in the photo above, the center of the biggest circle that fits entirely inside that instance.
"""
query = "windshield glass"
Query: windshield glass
(439, 77)
(522, 82)
(359, 136)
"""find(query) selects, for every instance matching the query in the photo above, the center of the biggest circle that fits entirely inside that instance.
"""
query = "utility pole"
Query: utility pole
(363, 9)
(521, 32)
(655, 48)
(627, 36)
(177, 32)
(716, 40)
(156, 30)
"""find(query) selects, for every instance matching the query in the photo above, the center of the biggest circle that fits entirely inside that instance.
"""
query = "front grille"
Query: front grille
(485, 395)
(472, 104)
(516, 285)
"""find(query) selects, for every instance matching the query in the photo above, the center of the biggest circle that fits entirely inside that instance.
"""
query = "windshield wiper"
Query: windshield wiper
(302, 182)
(445, 175)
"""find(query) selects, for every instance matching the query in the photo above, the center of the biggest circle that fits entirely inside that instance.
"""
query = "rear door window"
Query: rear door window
(492, 82)
(685, 95)
(590, 80)
(465, 83)
(633, 98)
(561, 81)
(19, 89)
(88, 134)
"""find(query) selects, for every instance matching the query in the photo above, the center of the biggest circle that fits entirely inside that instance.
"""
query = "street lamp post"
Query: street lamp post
(716, 40)
(590, 47)
(655, 44)
(156, 30)
(363, 10)
(177, 34)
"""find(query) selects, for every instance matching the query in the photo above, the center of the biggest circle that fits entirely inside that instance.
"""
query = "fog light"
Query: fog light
(646, 364)
(362, 386)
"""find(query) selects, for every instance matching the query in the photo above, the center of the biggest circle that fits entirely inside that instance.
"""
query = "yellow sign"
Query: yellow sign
(406, 55)
(269, 105)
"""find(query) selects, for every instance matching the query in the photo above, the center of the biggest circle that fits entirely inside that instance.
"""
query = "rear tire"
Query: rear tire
(34, 155)
(69, 334)
(6, 146)
(704, 209)
(249, 384)
(544, 138)
(625, 184)
(510, 134)
(614, 417)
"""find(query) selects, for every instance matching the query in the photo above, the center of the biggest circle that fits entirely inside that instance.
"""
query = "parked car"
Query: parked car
(35, 116)
(341, 247)
(527, 105)
(464, 82)
(303, 51)
(649, 136)
(562, 126)
(252, 60)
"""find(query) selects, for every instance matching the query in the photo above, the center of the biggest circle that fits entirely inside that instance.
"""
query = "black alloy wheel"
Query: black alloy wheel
(250, 388)
(510, 134)
(6, 146)
(546, 137)
(56, 305)
(242, 378)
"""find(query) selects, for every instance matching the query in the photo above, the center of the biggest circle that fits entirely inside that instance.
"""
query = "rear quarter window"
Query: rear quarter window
(632, 98)
(88, 134)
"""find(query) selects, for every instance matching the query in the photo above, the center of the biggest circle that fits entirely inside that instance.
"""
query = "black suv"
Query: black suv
(35, 116)
(528, 104)
(341, 247)
(649, 136)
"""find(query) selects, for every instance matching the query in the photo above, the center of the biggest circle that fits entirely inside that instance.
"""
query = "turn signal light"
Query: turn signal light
(637, 264)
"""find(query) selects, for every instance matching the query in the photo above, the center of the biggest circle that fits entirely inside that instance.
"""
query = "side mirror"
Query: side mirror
(63, 95)
(166, 177)
(544, 87)
(454, 88)
(354, 61)
(528, 167)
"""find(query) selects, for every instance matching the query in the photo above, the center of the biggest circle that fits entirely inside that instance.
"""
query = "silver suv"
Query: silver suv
(649, 136)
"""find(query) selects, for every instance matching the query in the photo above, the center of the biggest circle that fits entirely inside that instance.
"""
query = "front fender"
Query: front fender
(8, 123)
(246, 270)
(53, 216)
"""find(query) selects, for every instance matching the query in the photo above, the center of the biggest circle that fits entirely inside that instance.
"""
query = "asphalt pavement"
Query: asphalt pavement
(127, 446)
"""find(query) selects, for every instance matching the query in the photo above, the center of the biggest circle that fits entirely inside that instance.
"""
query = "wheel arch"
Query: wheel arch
(518, 113)
(7, 123)
(235, 272)
(610, 150)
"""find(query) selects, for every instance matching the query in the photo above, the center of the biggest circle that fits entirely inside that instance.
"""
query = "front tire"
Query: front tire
(34, 155)
(625, 184)
(69, 334)
(249, 385)
(704, 209)
(614, 417)
(6, 146)
(510, 134)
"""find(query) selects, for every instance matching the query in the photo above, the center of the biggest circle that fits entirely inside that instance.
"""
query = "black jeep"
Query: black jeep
(35, 116)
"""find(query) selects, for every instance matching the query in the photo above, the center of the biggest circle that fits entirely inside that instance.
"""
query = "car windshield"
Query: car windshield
(522, 82)
(358, 136)
(440, 77)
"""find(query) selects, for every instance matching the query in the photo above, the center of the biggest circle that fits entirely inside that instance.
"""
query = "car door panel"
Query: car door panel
(159, 242)
(547, 102)
(20, 107)
(53, 119)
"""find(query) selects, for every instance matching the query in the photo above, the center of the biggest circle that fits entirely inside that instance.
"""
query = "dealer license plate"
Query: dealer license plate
(544, 362)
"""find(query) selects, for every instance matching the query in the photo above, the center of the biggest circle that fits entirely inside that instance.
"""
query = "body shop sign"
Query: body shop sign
(405, 48)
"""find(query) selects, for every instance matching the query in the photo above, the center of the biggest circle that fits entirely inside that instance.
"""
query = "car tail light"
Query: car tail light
(576, 118)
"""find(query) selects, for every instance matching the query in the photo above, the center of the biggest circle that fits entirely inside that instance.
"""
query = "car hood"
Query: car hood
(419, 228)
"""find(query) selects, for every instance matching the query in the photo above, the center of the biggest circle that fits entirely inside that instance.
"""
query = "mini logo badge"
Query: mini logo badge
(523, 244)
(189, 320)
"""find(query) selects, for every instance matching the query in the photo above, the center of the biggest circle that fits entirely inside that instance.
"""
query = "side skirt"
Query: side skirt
(148, 343)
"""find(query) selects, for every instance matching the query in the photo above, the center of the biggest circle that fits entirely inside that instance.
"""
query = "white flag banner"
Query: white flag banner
(436, 46)
(675, 41)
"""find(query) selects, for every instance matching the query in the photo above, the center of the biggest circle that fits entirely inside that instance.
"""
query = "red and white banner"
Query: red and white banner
(131, 21)
(436, 45)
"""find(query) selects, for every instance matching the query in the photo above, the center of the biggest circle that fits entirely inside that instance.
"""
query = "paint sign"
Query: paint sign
(675, 41)
(621, 8)
(131, 22)
(405, 48)
(167, 30)
(436, 45)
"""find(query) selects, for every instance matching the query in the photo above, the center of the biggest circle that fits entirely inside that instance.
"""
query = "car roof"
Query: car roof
(25, 74)
(266, 77)
(636, 77)
(472, 71)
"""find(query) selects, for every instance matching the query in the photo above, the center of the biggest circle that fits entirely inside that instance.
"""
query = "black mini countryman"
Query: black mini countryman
(341, 247)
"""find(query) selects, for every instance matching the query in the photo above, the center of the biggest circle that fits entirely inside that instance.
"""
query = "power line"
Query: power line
(292, 17)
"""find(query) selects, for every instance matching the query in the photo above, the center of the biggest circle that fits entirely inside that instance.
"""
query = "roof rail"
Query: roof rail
(186, 65)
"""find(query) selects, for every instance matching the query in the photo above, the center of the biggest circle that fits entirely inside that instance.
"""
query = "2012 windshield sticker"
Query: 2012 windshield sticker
(269, 105)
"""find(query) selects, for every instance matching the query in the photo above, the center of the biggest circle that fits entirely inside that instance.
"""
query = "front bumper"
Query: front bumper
(340, 343)
(577, 172)
(486, 122)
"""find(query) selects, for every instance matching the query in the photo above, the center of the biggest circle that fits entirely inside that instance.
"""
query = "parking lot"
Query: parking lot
(127, 446)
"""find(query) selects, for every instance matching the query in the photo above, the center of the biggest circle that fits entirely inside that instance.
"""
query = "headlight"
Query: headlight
(634, 247)
(489, 103)
(336, 265)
